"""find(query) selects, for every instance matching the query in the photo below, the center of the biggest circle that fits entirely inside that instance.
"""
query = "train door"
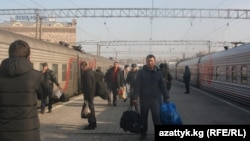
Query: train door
(74, 78)
(78, 77)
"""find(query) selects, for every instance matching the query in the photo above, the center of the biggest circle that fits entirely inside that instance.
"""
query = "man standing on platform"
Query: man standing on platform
(88, 89)
(150, 87)
(186, 78)
(19, 86)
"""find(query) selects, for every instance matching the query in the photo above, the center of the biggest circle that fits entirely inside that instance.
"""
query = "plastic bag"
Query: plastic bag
(122, 93)
(169, 115)
(85, 112)
(57, 94)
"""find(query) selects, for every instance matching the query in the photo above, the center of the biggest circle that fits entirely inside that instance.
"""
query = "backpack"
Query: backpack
(131, 120)
(101, 88)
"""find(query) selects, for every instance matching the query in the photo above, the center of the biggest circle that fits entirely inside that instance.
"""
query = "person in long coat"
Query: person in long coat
(19, 86)
(88, 89)
(186, 78)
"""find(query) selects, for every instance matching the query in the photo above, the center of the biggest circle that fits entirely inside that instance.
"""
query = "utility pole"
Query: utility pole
(209, 47)
(37, 21)
(40, 29)
(98, 53)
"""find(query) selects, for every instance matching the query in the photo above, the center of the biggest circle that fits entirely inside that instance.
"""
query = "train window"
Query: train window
(55, 69)
(210, 73)
(217, 75)
(64, 72)
(228, 73)
(244, 74)
(234, 74)
(41, 66)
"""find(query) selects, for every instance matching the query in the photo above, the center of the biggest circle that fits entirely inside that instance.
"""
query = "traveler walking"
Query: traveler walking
(49, 80)
(131, 79)
(115, 81)
(150, 88)
(166, 75)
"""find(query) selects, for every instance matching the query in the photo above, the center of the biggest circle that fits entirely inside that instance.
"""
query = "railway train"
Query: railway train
(63, 61)
(225, 73)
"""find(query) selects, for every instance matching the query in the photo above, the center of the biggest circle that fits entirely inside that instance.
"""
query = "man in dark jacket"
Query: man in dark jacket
(99, 75)
(186, 78)
(150, 88)
(106, 79)
(49, 80)
(101, 86)
(88, 89)
(19, 86)
(114, 80)
(166, 75)
(131, 79)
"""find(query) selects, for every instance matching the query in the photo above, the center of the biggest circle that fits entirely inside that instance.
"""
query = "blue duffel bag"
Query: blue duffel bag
(169, 115)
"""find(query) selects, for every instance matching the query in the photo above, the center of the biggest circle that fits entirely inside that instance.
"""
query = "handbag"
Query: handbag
(131, 120)
(169, 114)
(85, 112)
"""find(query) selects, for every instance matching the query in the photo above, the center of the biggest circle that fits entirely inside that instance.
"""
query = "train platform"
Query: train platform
(196, 108)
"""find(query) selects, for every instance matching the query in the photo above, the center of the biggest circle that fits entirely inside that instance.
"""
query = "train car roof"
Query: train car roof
(188, 62)
(8, 37)
(243, 49)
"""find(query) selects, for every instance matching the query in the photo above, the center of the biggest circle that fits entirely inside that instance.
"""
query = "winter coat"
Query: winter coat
(88, 83)
(131, 78)
(108, 78)
(19, 85)
(167, 77)
(49, 79)
(150, 84)
(186, 76)
(99, 76)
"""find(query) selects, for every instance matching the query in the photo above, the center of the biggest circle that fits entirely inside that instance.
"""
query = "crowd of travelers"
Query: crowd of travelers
(147, 87)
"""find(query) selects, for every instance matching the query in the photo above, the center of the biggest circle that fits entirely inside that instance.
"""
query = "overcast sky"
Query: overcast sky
(108, 29)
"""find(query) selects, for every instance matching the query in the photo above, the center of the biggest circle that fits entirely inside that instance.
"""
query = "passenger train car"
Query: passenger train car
(225, 73)
(62, 60)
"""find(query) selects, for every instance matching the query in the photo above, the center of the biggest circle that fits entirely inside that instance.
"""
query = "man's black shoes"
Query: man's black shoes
(89, 127)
